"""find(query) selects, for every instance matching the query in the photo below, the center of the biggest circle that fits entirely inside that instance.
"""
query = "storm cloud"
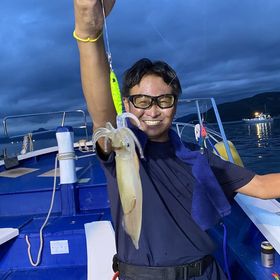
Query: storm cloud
(224, 49)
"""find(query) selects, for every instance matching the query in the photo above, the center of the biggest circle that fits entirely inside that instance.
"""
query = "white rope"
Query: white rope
(83, 147)
(42, 227)
(24, 145)
(30, 142)
(65, 156)
(61, 156)
(27, 141)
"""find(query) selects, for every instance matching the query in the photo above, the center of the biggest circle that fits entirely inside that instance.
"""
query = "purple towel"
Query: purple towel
(209, 203)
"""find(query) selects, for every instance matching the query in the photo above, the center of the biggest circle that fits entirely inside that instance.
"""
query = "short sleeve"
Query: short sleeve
(230, 176)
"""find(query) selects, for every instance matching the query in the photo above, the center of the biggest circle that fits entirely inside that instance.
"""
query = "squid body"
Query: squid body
(127, 169)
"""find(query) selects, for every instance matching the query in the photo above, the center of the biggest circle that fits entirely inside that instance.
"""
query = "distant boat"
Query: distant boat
(259, 118)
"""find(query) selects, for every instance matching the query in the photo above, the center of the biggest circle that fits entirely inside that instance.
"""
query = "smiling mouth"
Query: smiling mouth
(152, 123)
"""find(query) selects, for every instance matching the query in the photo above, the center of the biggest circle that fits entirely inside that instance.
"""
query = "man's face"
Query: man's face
(154, 120)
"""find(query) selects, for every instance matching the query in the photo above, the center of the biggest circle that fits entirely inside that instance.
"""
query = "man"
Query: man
(176, 179)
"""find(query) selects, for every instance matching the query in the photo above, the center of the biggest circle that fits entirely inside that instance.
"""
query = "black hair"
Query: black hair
(145, 66)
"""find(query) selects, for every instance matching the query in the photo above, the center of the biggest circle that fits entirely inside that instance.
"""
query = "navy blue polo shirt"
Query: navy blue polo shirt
(169, 235)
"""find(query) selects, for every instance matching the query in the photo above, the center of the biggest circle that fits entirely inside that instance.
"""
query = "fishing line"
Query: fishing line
(174, 77)
(171, 46)
(114, 85)
(109, 54)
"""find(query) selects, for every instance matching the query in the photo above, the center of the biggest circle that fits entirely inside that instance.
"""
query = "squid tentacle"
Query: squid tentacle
(135, 140)
(99, 133)
(121, 119)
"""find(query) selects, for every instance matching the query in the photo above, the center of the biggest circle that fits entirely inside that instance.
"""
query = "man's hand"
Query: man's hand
(89, 18)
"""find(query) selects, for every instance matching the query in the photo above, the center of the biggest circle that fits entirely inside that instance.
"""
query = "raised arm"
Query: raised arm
(93, 60)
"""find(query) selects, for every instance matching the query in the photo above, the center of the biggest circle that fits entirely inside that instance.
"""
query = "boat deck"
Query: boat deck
(25, 195)
(57, 273)
(243, 247)
(36, 176)
(37, 173)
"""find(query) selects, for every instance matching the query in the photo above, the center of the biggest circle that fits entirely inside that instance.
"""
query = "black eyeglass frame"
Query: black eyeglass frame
(154, 100)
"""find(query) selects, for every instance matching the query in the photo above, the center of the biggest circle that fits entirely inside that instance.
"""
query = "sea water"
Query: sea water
(258, 144)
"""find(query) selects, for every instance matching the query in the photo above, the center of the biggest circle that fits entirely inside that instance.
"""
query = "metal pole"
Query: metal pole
(222, 129)
(198, 112)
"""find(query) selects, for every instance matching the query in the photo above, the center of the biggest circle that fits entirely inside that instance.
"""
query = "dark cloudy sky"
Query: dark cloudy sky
(225, 49)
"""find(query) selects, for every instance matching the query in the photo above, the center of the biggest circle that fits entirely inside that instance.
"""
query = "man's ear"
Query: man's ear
(126, 104)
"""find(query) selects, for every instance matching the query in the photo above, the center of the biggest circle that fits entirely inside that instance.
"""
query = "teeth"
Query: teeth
(152, 122)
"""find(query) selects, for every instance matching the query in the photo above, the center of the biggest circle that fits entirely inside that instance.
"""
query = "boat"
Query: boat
(71, 202)
(259, 118)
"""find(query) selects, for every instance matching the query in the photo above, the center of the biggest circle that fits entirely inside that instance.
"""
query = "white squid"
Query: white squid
(127, 168)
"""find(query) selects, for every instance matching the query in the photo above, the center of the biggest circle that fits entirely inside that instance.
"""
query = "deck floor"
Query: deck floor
(38, 174)
(69, 273)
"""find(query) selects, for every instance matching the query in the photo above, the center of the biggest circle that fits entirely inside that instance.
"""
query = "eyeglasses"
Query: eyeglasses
(142, 101)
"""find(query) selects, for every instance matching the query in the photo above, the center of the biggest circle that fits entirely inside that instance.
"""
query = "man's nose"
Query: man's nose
(154, 110)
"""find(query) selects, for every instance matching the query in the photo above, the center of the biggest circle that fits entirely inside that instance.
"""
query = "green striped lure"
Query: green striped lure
(115, 89)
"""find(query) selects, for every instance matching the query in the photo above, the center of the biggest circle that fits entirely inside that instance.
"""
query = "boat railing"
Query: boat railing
(180, 126)
(220, 134)
(76, 118)
(62, 122)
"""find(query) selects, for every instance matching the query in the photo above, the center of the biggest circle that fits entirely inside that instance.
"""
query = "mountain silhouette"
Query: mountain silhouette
(268, 102)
